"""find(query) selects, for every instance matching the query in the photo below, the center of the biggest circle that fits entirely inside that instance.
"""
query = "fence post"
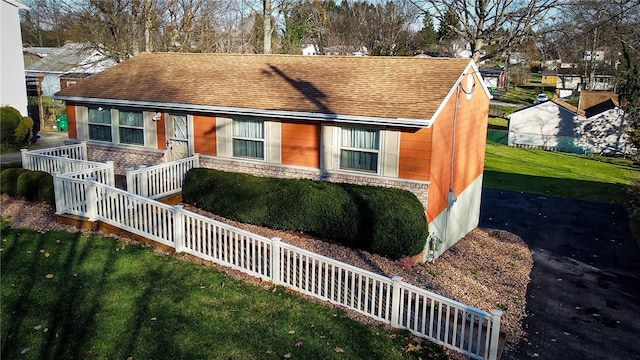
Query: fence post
(196, 163)
(275, 260)
(496, 315)
(58, 192)
(65, 164)
(91, 200)
(395, 301)
(178, 227)
(83, 150)
(25, 163)
(111, 174)
(131, 186)
(144, 186)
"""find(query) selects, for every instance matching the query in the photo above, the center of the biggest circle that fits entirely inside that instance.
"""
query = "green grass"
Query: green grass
(559, 174)
(519, 95)
(65, 295)
(499, 122)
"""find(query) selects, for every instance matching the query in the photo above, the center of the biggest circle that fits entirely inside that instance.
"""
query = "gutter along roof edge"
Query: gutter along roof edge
(282, 114)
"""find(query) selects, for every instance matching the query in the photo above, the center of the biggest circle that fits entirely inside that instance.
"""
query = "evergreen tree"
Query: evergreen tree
(427, 36)
(630, 94)
(448, 30)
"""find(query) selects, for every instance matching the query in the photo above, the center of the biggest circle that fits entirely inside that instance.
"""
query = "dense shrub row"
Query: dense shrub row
(32, 185)
(389, 222)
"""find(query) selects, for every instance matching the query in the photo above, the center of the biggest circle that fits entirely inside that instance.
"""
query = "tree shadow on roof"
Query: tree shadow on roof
(307, 89)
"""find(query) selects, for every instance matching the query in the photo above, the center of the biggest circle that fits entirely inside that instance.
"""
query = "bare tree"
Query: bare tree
(491, 25)
(592, 35)
(267, 14)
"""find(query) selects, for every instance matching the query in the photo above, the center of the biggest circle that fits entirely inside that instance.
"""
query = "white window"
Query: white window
(131, 127)
(359, 149)
(248, 139)
(99, 124)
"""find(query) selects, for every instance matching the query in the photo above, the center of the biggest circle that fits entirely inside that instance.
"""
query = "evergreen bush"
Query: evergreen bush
(389, 222)
(11, 118)
(28, 184)
(235, 196)
(392, 222)
(317, 208)
(24, 130)
(45, 190)
(9, 181)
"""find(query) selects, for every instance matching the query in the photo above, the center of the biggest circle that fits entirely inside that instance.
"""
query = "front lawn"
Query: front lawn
(559, 174)
(66, 295)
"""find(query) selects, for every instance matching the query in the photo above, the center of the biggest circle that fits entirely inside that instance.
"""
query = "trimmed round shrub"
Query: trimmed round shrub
(392, 222)
(23, 131)
(317, 208)
(28, 184)
(45, 190)
(11, 118)
(235, 196)
(9, 181)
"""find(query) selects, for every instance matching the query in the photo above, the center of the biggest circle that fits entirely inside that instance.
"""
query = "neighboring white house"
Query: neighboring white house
(556, 125)
(310, 50)
(72, 58)
(13, 88)
(568, 79)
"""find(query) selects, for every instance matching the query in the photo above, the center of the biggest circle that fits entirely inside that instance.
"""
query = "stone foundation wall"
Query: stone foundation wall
(419, 188)
(132, 158)
(124, 158)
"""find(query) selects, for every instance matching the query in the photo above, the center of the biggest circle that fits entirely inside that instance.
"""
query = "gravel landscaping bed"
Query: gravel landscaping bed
(488, 269)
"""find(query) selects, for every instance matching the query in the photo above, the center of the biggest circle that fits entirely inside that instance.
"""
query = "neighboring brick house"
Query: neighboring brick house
(410, 123)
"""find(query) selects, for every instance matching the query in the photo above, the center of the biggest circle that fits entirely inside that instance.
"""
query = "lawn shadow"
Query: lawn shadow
(564, 188)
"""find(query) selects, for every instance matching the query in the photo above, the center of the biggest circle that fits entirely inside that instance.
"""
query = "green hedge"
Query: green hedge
(389, 222)
(45, 190)
(32, 185)
(9, 181)
(23, 131)
(14, 128)
(10, 120)
(28, 184)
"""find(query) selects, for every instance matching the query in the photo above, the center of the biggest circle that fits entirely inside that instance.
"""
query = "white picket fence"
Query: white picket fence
(160, 180)
(460, 327)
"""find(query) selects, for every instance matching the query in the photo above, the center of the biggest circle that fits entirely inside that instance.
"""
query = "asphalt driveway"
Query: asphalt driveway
(583, 301)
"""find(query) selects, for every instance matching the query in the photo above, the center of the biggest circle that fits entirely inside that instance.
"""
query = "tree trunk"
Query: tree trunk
(147, 26)
(266, 19)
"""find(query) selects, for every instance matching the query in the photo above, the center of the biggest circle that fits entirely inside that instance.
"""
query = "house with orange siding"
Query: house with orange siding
(417, 124)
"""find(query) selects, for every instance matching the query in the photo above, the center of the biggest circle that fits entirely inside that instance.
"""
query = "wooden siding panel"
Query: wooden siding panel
(72, 121)
(161, 129)
(301, 144)
(470, 134)
(415, 154)
(204, 129)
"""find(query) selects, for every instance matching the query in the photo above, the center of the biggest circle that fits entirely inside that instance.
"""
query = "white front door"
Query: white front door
(178, 142)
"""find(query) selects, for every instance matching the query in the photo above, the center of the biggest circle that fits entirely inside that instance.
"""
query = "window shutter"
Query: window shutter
(390, 153)
(224, 137)
(329, 158)
(274, 142)
(150, 130)
(82, 126)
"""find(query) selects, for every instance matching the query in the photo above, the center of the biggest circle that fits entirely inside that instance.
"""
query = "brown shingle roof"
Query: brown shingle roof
(591, 98)
(386, 87)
